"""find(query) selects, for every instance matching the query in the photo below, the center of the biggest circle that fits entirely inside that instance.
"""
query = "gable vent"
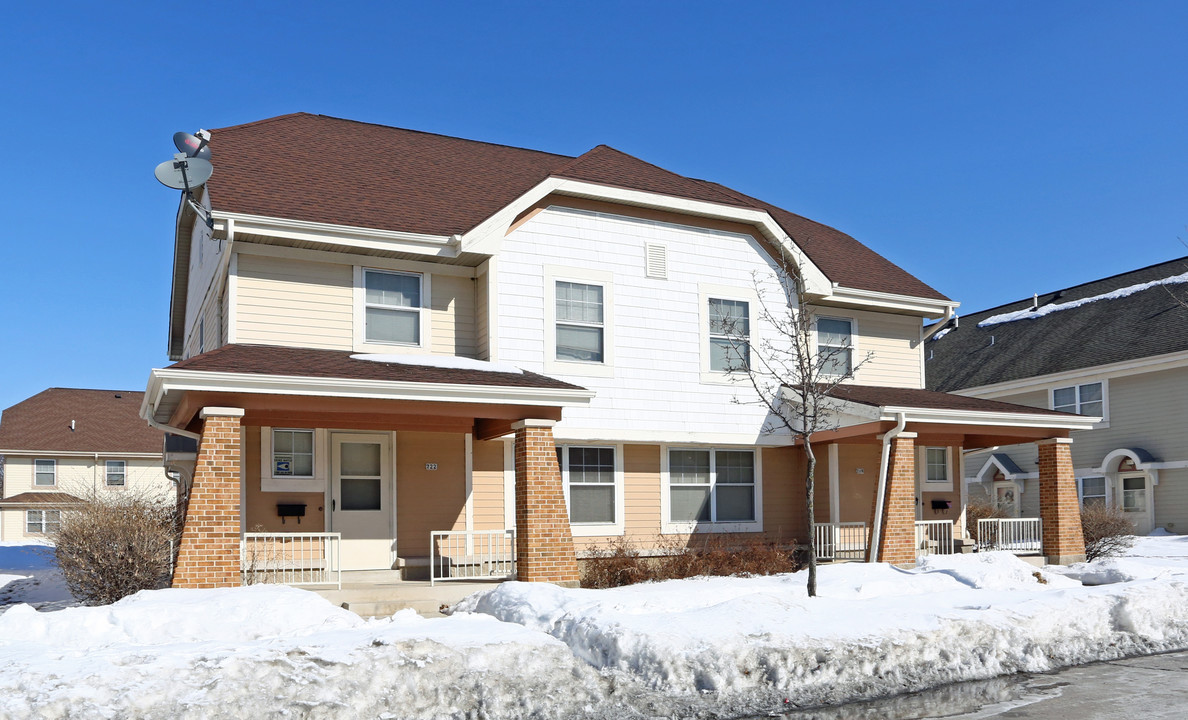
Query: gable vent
(657, 261)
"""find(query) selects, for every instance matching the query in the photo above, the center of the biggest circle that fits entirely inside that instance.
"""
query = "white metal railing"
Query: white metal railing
(291, 558)
(474, 555)
(934, 537)
(840, 541)
(1021, 536)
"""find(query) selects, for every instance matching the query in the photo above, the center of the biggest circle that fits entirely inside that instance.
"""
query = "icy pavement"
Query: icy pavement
(708, 647)
(28, 575)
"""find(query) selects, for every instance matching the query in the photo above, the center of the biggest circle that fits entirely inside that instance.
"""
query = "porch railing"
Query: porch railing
(934, 537)
(840, 541)
(473, 555)
(1022, 536)
(291, 558)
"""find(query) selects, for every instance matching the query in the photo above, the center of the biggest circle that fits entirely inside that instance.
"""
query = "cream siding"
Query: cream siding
(482, 339)
(293, 302)
(452, 321)
(892, 344)
(487, 486)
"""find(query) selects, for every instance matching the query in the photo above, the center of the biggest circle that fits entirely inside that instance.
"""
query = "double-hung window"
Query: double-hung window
(936, 461)
(392, 306)
(711, 486)
(45, 472)
(729, 335)
(1093, 491)
(43, 522)
(292, 453)
(116, 473)
(589, 474)
(835, 346)
(1087, 399)
(580, 322)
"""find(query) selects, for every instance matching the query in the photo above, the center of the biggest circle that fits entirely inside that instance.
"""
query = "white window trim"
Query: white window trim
(43, 521)
(315, 484)
(554, 274)
(854, 353)
(705, 292)
(107, 473)
(1105, 485)
(53, 466)
(922, 468)
(1105, 398)
(359, 299)
(1148, 492)
(668, 527)
(596, 529)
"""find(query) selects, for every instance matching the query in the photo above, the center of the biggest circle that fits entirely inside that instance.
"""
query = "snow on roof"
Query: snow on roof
(1057, 307)
(448, 362)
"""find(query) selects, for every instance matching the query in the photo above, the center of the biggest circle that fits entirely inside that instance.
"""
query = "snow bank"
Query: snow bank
(994, 571)
(5, 579)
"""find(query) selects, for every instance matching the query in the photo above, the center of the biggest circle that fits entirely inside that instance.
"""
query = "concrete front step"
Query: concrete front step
(381, 597)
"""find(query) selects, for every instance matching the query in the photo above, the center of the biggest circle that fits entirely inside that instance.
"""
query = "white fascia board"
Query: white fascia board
(81, 454)
(165, 381)
(347, 236)
(1155, 363)
(928, 307)
(653, 437)
(979, 417)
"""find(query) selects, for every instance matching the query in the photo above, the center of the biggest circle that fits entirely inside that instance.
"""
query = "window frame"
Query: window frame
(712, 336)
(1143, 492)
(706, 292)
(924, 462)
(1076, 388)
(852, 347)
(669, 527)
(1105, 489)
(53, 465)
(359, 297)
(556, 274)
(595, 529)
(316, 483)
(123, 473)
(43, 523)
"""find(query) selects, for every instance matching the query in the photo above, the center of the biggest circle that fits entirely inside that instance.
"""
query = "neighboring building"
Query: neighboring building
(1115, 348)
(396, 333)
(65, 444)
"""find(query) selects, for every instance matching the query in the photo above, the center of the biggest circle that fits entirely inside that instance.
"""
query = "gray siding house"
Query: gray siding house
(1115, 348)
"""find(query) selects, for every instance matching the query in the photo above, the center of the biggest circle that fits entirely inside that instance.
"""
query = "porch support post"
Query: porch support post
(1060, 511)
(209, 552)
(897, 534)
(544, 545)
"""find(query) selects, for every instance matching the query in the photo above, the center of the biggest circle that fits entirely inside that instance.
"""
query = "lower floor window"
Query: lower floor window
(711, 486)
(1134, 494)
(589, 475)
(43, 521)
(1093, 491)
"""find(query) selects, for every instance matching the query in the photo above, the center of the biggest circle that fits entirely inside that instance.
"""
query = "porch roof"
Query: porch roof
(40, 499)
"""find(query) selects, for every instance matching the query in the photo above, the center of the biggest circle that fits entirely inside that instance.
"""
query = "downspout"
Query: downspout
(172, 430)
(940, 324)
(900, 423)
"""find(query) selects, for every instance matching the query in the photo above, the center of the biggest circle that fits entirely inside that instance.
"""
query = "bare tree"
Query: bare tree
(794, 371)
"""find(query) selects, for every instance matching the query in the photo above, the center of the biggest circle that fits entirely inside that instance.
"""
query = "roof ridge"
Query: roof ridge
(265, 121)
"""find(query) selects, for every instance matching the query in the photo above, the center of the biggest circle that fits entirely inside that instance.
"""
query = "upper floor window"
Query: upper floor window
(45, 472)
(293, 453)
(729, 335)
(116, 473)
(392, 307)
(835, 346)
(1093, 491)
(43, 522)
(1087, 399)
(711, 486)
(580, 326)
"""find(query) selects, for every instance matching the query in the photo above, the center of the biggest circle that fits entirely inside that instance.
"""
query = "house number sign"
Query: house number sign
(430, 466)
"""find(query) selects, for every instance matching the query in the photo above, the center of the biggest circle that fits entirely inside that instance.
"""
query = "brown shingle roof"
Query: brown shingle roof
(307, 362)
(879, 396)
(41, 498)
(343, 172)
(104, 421)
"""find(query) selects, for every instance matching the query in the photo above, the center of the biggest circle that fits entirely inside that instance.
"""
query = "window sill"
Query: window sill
(596, 529)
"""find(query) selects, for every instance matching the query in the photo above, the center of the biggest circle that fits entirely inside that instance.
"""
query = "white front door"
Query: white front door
(1135, 492)
(361, 500)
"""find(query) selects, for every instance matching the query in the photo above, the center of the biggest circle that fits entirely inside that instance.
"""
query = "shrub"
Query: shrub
(976, 511)
(115, 545)
(620, 563)
(1107, 531)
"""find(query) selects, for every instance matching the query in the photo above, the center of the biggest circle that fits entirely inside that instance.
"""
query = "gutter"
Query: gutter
(876, 546)
(940, 324)
(172, 430)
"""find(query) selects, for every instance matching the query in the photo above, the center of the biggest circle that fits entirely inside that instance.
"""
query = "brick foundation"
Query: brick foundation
(544, 545)
(897, 535)
(209, 552)
(1060, 509)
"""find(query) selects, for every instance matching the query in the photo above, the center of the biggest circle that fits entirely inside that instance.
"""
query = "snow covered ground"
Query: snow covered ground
(712, 647)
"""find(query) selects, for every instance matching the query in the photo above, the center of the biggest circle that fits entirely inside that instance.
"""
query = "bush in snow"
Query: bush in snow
(620, 563)
(114, 545)
(976, 511)
(1107, 531)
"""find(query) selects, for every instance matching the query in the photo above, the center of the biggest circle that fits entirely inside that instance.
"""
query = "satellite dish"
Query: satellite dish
(192, 145)
(184, 173)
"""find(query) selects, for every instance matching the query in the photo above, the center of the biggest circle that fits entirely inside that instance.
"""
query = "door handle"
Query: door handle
(333, 504)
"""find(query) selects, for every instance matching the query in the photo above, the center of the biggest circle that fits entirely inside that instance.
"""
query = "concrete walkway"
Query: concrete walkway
(380, 593)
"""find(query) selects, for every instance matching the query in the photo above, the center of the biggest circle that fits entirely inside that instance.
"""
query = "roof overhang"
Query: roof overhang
(346, 237)
(80, 454)
(166, 386)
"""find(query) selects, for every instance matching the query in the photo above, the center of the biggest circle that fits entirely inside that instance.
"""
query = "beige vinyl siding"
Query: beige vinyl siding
(856, 491)
(482, 339)
(487, 485)
(294, 302)
(452, 321)
(260, 507)
(783, 493)
(428, 500)
(641, 495)
(892, 342)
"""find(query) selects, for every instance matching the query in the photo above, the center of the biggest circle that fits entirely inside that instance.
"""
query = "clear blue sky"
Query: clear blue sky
(994, 149)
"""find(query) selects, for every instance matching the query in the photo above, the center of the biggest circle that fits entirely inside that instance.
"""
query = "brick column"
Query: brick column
(1060, 509)
(897, 534)
(544, 545)
(209, 552)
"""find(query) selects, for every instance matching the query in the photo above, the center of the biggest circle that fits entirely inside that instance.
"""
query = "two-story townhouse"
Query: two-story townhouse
(396, 333)
(1115, 349)
(65, 444)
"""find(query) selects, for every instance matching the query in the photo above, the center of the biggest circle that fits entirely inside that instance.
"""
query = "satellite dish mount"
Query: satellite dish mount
(189, 169)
